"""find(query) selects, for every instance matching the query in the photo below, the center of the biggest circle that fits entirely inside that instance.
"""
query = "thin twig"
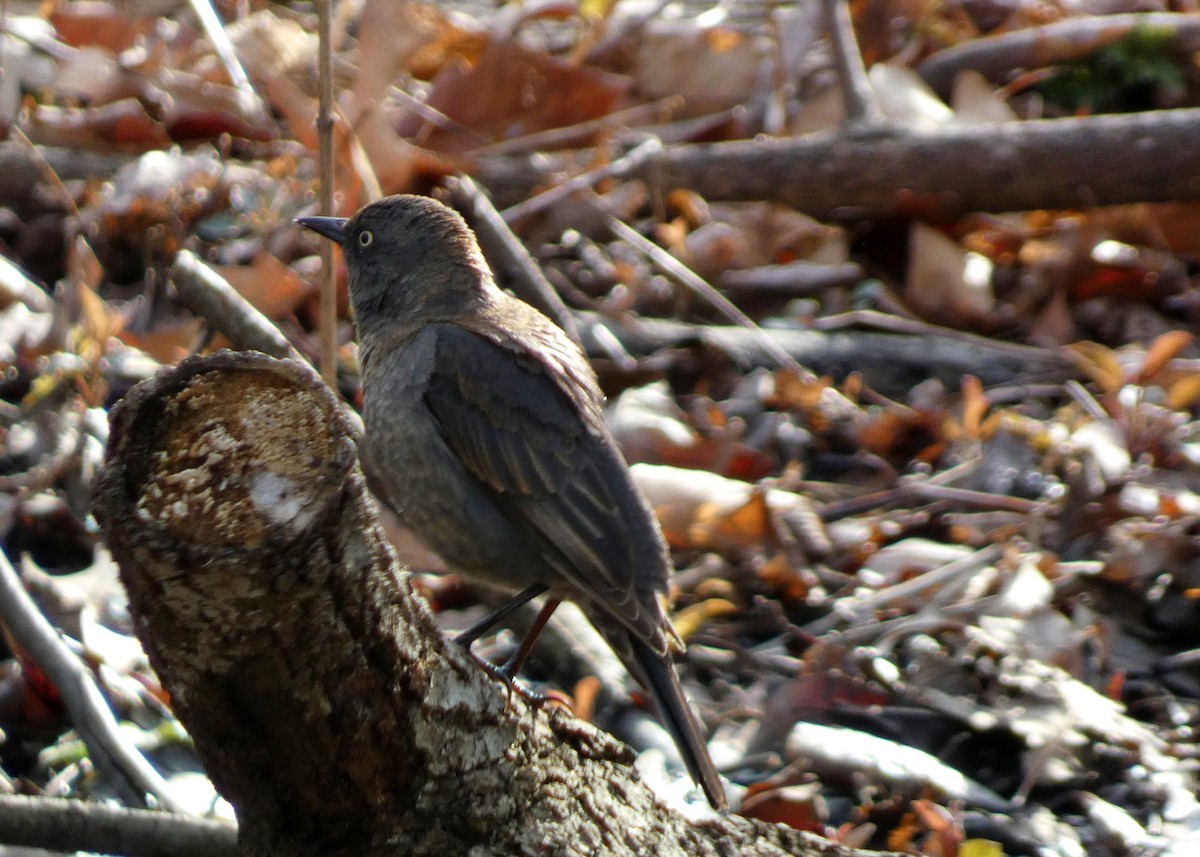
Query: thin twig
(905, 589)
(671, 266)
(215, 30)
(622, 166)
(328, 314)
(1088, 402)
(862, 107)
(893, 324)
(128, 769)
(554, 138)
(507, 255)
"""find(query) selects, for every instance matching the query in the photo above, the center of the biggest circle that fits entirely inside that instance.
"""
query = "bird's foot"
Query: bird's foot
(504, 675)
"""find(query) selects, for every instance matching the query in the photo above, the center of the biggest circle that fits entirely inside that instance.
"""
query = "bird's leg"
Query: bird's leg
(470, 635)
(506, 674)
(513, 665)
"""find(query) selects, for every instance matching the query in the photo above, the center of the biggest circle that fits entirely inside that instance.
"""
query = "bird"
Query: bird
(484, 422)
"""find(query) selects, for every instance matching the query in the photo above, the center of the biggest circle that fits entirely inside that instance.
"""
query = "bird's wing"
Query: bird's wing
(559, 478)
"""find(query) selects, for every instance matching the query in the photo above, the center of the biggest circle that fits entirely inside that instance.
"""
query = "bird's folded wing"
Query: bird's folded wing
(518, 433)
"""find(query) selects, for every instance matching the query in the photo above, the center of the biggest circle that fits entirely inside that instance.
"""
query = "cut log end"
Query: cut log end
(241, 455)
(235, 452)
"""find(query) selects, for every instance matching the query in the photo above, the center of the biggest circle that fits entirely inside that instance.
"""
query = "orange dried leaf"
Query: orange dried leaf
(722, 39)
(270, 286)
(799, 807)
(511, 91)
(794, 391)
(688, 620)
(779, 574)
(1164, 349)
(692, 206)
(96, 318)
(89, 22)
(1100, 362)
(167, 344)
(975, 406)
(587, 690)
(748, 524)
(1184, 393)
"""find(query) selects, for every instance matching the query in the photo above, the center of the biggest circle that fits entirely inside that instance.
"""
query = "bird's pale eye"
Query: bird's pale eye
(366, 238)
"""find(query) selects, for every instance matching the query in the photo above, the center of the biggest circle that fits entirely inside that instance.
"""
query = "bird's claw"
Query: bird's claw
(504, 675)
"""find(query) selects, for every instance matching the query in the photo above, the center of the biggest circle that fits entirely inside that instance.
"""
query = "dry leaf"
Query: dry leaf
(748, 524)
(1184, 393)
(91, 22)
(714, 68)
(945, 282)
(509, 92)
(272, 287)
(800, 807)
(168, 343)
(1164, 349)
(688, 620)
(1100, 363)
(124, 123)
(975, 406)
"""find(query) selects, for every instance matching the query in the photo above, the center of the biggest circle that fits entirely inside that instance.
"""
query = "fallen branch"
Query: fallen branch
(1064, 41)
(889, 172)
(888, 361)
(58, 824)
(210, 296)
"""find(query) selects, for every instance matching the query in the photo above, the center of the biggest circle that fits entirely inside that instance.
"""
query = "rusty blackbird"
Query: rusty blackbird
(483, 420)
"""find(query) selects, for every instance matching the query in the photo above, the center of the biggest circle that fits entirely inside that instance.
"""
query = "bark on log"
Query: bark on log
(892, 171)
(325, 704)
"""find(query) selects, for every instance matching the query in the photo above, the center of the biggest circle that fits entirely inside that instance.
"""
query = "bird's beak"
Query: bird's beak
(332, 228)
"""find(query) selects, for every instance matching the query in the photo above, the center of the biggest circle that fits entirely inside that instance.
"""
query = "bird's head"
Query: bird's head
(409, 259)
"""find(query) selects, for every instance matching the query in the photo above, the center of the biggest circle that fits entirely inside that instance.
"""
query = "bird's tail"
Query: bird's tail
(657, 673)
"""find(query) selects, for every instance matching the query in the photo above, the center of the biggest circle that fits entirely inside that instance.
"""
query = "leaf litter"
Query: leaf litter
(938, 579)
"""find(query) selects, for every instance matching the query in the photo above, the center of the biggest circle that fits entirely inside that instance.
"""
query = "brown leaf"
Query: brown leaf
(512, 91)
(1099, 362)
(748, 524)
(1164, 349)
(799, 807)
(122, 123)
(272, 287)
(1184, 393)
(413, 37)
(91, 22)
(168, 343)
